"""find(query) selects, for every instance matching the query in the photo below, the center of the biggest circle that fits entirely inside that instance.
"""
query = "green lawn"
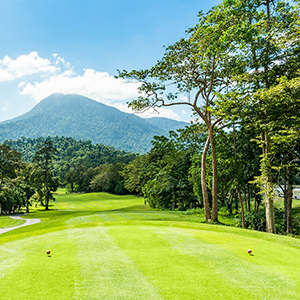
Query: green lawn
(6, 221)
(114, 247)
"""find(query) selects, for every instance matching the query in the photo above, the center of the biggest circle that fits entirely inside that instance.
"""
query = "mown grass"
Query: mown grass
(114, 247)
(6, 221)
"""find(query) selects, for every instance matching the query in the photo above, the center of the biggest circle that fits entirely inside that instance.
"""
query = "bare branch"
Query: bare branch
(216, 122)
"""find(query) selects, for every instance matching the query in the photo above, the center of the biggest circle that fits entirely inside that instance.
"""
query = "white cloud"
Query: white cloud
(25, 65)
(99, 86)
(5, 75)
(184, 98)
(40, 77)
(149, 113)
(5, 107)
(161, 112)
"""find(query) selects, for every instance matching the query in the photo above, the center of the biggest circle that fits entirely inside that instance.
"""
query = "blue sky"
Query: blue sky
(76, 46)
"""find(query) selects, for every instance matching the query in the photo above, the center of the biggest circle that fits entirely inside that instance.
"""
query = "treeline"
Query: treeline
(75, 152)
(22, 183)
(169, 176)
(77, 163)
(32, 169)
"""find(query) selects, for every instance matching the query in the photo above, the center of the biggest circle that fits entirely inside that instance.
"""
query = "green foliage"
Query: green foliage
(194, 211)
(14, 195)
(10, 160)
(257, 221)
(162, 175)
(134, 174)
(253, 220)
(109, 179)
(77, 164)
(43, 159)
(15, 191)
(75, 152)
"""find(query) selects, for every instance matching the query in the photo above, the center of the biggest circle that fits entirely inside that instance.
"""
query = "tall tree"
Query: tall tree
(10, 160)
(43, 159)
(198, 66)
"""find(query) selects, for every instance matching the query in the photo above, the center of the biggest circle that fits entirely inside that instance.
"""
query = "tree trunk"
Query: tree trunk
(203, 181)
(215, 176)
(266, 181)
(237, 177)
(46, 189)
(245, 200)
(41, 199)
(270, 218)
(270, 215)
(256, 200)
(236, 202)
(241, 203)
(289, 202)
(289, 210)
(285, 207)
(249, 197)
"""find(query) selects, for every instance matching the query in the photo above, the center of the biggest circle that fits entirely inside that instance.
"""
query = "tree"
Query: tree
(11, 196)
(25, 181)
(198, 65)
(10, 160)
(43, 159)
(109, 178)
(284, 135)
(134, 175)
(264, 46)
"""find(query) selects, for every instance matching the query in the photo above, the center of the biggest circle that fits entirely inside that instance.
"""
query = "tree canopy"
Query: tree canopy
(238, 64)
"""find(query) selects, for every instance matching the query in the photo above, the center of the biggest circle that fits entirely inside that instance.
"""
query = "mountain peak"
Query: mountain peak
(86, 119)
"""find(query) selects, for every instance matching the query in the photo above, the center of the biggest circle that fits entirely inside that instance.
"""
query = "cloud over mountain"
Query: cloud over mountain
(37, 78)
(99, 85)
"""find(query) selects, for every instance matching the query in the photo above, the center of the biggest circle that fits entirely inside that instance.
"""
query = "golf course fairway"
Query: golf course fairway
(114, 247)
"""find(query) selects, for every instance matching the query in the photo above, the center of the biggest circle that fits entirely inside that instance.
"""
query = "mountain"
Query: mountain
(83, 118)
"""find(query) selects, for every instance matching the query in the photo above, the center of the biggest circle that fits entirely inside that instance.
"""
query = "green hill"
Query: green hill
(83, 118)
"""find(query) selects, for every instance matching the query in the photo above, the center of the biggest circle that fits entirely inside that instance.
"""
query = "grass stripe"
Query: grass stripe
(6, 221)
(105, 270)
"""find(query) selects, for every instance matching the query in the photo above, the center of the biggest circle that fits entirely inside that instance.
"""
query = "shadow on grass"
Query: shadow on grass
(53, 213)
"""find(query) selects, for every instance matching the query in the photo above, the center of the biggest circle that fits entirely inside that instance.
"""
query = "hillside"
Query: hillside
(83, 118)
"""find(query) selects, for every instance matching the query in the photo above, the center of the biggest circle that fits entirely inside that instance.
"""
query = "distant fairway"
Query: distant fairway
(114, 247)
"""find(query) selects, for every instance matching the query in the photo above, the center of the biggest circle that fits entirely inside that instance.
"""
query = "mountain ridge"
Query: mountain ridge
(86, 119)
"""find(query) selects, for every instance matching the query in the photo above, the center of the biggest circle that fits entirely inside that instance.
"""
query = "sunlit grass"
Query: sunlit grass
(6, 221)
(114, 247)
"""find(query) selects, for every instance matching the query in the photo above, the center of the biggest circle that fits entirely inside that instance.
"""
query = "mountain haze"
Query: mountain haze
(83, 118)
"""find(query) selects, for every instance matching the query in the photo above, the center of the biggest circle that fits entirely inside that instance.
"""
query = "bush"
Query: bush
(194, 211)
(257, 221)
(254, 221)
